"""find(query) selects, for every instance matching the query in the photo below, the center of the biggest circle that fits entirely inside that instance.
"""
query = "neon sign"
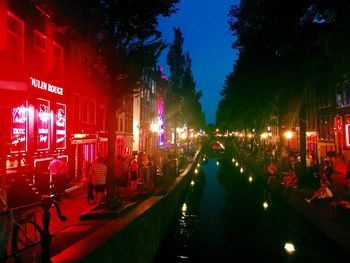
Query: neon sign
(347, 135)
(19, 128)
(60, 120)
(39, 84)
(43, 125)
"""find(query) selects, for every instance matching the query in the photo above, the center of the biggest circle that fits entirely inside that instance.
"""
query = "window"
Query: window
(57, 61)
(153, 86)
(101, 120)
(326, 128)
(92, 114)
(121, 124)
(15, 39)
(340, 96)
(40, 54)
(76, 107)
(85, 110)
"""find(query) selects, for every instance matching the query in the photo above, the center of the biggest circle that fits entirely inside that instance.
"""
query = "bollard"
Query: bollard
(46, 203)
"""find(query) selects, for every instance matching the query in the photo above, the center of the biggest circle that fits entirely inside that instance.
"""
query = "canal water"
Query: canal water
(228, 215)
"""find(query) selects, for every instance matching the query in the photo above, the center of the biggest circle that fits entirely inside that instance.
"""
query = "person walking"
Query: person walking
(120, 178)
(88, 181)
(55, 168)
(98, 173)
(134, 173)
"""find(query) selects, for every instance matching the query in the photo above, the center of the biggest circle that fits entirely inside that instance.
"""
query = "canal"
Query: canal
(228, 215)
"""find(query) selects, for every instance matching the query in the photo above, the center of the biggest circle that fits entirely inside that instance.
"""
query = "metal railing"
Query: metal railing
(23, 236)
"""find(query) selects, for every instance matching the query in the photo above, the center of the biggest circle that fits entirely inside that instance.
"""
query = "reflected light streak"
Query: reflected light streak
(184, 209)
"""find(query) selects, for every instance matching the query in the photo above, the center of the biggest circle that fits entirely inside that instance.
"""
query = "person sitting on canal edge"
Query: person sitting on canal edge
(323, 192)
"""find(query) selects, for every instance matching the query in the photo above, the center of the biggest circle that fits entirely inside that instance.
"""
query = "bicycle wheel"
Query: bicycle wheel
(26, 241)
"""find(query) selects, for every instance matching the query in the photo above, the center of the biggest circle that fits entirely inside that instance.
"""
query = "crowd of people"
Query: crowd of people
(132, 173)
(329, 180)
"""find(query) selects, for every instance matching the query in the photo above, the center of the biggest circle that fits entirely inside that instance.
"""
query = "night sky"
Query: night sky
(208, 39)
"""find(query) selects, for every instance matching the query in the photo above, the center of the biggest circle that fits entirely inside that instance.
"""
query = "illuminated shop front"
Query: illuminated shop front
(83, 148)
(37, 129)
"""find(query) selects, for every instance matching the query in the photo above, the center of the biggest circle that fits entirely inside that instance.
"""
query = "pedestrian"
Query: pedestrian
(55, 168)
(134, 173)
(98, 173)
(88, 181)
(119, 174)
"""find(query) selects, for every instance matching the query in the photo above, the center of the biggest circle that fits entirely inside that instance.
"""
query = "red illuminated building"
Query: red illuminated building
(52, 102)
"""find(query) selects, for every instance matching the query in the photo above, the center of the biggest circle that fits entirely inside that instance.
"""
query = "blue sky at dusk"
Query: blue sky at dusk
(208, 40)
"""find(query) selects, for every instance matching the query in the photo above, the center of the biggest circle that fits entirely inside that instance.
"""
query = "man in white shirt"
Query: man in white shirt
(98, 173)
(55, 168)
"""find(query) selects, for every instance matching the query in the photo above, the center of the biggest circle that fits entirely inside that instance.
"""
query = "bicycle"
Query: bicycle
(29, 241)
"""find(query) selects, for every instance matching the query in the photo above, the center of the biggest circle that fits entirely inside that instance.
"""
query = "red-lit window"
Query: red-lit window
(15, 38)
(121, 124)
(57, 62)
(77, 107)
(40, 53)
(102, 118)
(92, 114)
(85, 110)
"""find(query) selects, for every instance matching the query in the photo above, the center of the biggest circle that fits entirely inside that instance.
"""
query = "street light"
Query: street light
(288, 135)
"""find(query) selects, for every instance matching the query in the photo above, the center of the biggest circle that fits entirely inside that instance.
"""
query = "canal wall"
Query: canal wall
(136, 236)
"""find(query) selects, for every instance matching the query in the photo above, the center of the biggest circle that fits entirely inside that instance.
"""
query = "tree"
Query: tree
(182, 100)
(286, 48)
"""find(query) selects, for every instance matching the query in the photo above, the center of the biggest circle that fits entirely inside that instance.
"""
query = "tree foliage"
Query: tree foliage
(183, 104)
(286, 48)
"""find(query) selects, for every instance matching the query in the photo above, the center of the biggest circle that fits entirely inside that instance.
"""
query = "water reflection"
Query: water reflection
(235, 218)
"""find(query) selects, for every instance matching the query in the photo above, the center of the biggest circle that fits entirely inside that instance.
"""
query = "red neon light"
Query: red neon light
(19, 128)
(43, 125)
(347, 133)
(60, 121)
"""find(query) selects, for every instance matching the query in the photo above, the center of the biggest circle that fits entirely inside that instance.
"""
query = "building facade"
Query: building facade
(53, 102)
